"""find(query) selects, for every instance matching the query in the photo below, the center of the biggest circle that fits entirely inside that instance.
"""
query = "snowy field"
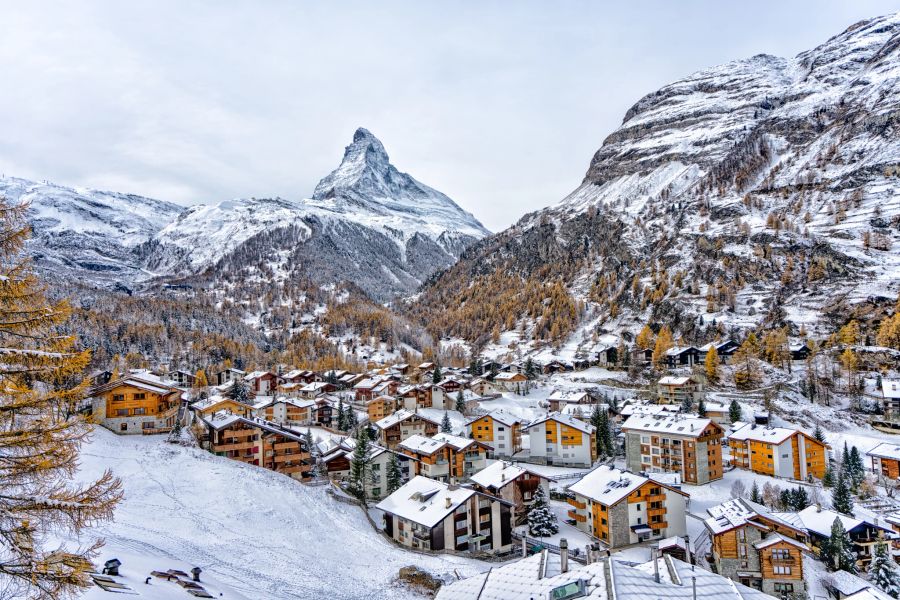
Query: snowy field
(252, 531)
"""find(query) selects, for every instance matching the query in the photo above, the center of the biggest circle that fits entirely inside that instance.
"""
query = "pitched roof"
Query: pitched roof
(777, 538)
(885, 450)
(673, 425)
(502, 417)
(499, 474)
(607, 485)
(400, 415)
(567, 420)
(740, 511)
(768, 435)
(425, 501)
(673, 380)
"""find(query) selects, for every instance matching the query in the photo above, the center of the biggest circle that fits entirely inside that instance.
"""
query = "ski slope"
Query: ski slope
(252, 531)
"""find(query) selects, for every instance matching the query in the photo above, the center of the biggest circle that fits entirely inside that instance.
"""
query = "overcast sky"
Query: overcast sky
(499, 105)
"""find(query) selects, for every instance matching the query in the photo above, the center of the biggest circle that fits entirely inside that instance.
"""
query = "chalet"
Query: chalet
(689, 446)
(546, 575)
(885, 459)
(258, 442)
(300, 376)
(183, 379)
(799, 351)
(349, 380)
(512, 483)
(402, 424)
(682, 356)
(677, 547)
(621, 508)
(430, 515)
(864, 535)
(757, 548)
(450, 385)
(413, 397)
(229, 375)
(381, 407)
(675, 390)
(287, 411)
(316, 388)
(608, 356)
(558, 399)
(499, 430)
(556, 366)
(261, 382)
(890, 393)
(214, 404)
(324, 410)
(441, 400)
(483, 387)
(562, 440)
(511, 382)
(778, 451)
(725, 350)
(719, 412)
(337, 465)
(445, 457)
(365, 390)
(136, 403)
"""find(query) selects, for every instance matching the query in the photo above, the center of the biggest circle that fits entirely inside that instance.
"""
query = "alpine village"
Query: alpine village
(680, 381)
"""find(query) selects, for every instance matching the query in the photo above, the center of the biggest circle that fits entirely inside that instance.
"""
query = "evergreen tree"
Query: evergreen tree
(828, 479)
(446, 427)
(604, 435)
(240, 391)
(436, 375)
(349, 418)
(856, 468)
(755, 495)
(541, 520)
(460, 402)
(883, 571)
(687, 403)
(530, 371)
(341, 422)
(359, 465)
(836, 551)
(474, 367)
(394, 474)
(841, 498)
(818, 434)
(799, 498)
(734, 411)
(597, 421)
(40, 382)
(701, 408)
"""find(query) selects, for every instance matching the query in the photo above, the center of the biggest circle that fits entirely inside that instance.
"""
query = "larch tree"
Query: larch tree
(645, 339)
(663, 344)
(40, 436)
(200, 380)
(711, 365)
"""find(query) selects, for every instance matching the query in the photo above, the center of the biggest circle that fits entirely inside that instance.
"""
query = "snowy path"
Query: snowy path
(259, 532)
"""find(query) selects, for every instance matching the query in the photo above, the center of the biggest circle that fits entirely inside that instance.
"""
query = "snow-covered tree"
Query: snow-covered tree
(436, 375)
(40, 382)
(341, 423)
(541, 520)
(530, 370)
(446, 427)
(841, 498)
(883, 571)
(460, 402)
(359, 465)
(755, 495)
(836, 551)
(240, 391)
(818, 434)
(828, 479)
(701, 408)
(394, 474)
(738, 489)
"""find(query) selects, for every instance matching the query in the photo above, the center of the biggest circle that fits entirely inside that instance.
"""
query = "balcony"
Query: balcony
(234, 446)
(576, 503)
(280, 458)
(287, 445)
(784, 560)
(575, 516)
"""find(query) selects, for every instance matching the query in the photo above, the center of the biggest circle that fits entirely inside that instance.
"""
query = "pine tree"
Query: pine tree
(541, 520)
(530, 371)
(394, 474)
(240, 391)
(604, 435)
(687, 403)
(341, 422)
(818, 434)
(856, 468)
(701, 408)
(711, 364)
(597, 420)
(460, 402)
(883, 571)
(446, 427)
(755, 495)
(436, 375)
(359, 465)
(799, 499)
(40, 382)
(734, 411)
(828, 479)
(349, 418)
(841, 499)
(836, 551)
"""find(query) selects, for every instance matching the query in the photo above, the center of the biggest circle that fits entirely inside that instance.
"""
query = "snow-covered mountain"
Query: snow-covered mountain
(82, 233)
(763, 190)
(366, 222)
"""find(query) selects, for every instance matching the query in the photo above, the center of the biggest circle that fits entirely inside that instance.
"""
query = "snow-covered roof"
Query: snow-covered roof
(768, 435)
(673, 425)
(777, 538)
(508, 376)
(891, 388)
(314, 386)
(648, 409)
(819, 521)
(421, 444)
(885, 450)
(846, 583)
(500, 416)
(566, 420)
(498, 474)
(425, 501)
(397, 417)
(367, 384)
(567, 395)
(673, 380)
(740, 511)
(142, 381)
(679, 350)
(458, 442)
(607, 485)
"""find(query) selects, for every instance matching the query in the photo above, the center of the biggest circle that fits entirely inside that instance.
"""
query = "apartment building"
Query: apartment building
(499, 430)
(688, 445)
(778, 451)
(558, 439)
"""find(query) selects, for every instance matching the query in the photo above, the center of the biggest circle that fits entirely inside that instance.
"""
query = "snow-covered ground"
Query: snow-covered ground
(254, 531)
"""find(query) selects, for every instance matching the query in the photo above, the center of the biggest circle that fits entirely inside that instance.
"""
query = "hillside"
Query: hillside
(258, 532)
(763, 191)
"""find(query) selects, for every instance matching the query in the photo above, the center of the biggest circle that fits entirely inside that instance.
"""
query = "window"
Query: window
(121, 412)
(123, 427)
(376, 467)
(376, 492)
(784, 588)
(147, 425)
(140, 411)
(781, 554)
(645, 439)
(118, 397)
(782, 570)
(139, 396)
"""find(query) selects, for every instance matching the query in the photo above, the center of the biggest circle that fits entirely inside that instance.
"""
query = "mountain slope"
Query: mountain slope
(81, 233)
(763, 191)
(366, 223)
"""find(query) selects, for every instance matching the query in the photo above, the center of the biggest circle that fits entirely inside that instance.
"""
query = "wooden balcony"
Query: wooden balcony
(280, 458)
(576, 503)
(239, 433)
(788, 560)
(234, 446)
(574, 515)
(656, 511)
(287, 446)
(293, 469)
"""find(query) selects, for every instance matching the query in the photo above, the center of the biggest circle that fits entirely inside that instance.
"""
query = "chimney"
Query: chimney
(196, 573)
(563, 556)
(694, 586)
(524, 547)
(818, 507)
(587, 554)
(448, 501)
(654, 558)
